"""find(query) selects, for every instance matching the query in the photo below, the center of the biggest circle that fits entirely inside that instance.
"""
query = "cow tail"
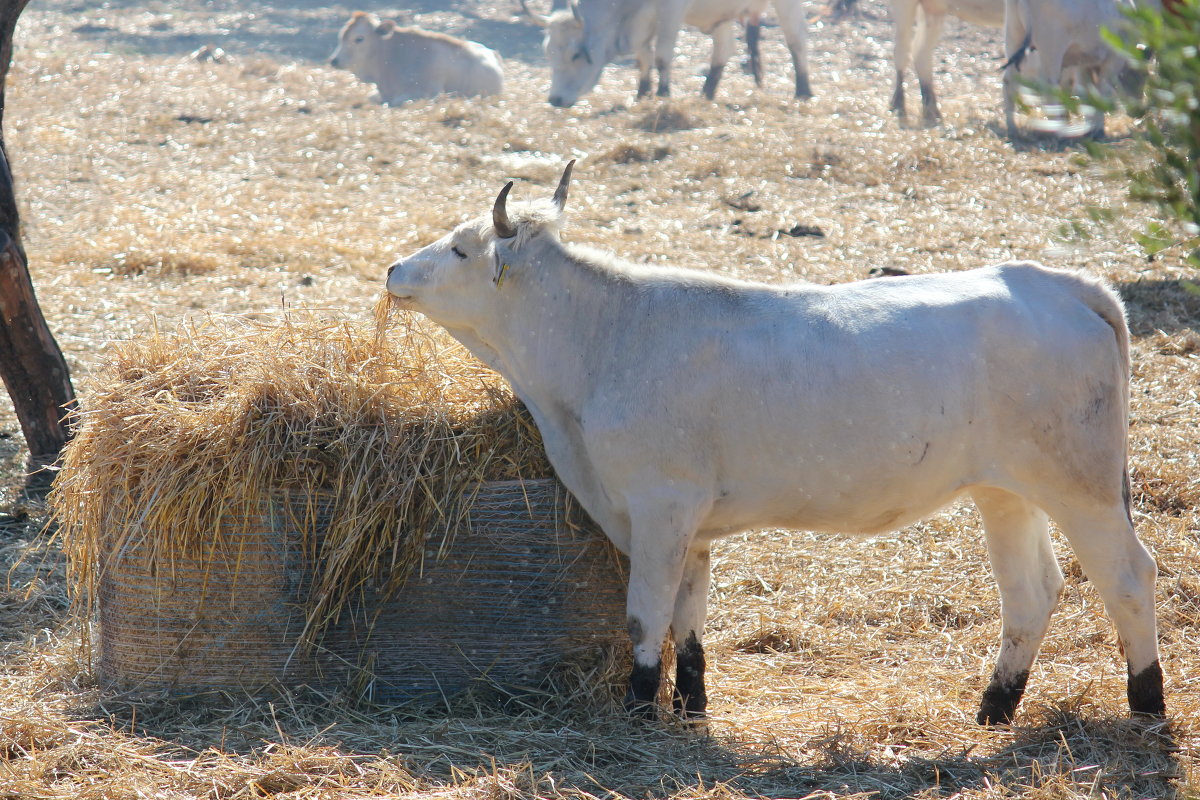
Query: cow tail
(1017, 57)
(1103, 300)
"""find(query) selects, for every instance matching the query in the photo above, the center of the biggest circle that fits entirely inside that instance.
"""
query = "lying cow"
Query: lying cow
(1065, 35)
(681, 406)
(929, 16)
(409, 63)
(580, 42)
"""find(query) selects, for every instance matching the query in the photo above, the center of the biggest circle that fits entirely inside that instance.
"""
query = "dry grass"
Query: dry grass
(159, 190)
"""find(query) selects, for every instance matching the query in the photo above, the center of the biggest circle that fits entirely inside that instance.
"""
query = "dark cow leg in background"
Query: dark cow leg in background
(1146, 691)
(664, 80)
(691, 701)
(710, 82)
(803, 91)
(643, 87)
(898, 95)
(929, 106)
(753, 32)
(643, 689)
(1000, 699)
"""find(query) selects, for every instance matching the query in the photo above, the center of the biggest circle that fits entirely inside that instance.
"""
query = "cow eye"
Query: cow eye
(578, 55)
(358, 39)
(458, 252)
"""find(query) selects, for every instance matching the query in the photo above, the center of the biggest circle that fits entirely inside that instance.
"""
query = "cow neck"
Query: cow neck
(559, 306)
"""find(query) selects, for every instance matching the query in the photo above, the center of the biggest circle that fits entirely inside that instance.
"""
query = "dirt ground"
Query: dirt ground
(159, 188)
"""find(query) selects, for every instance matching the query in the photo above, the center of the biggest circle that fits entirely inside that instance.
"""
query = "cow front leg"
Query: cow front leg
(645, 60)
(661, 531)
(670, 20)
(691, 607)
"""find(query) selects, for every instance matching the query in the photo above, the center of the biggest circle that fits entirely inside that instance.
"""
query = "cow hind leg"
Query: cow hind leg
(1022, 559)
(753, 37)
(723, 41)
(929, 31)
(687, 627)
(904, 16)
(1123, 572)
(795, 33)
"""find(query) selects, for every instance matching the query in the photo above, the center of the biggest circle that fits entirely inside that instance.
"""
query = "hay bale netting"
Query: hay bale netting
(247, 504)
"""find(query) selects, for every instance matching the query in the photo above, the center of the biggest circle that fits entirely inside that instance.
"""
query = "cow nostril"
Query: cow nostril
(391, 269)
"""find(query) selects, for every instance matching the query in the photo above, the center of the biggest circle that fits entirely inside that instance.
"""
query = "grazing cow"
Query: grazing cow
(409, 63)
(929, 16)
(579, 43)
(1066, 36)
(680, 406)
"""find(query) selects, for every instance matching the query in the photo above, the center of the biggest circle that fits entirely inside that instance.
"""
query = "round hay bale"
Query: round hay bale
(524, 585)
(247, 503)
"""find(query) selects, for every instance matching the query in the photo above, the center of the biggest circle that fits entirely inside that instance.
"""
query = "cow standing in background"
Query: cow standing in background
(681, 406)
(409, 63)
(1065, 35)
(580, 42)
(929, 16)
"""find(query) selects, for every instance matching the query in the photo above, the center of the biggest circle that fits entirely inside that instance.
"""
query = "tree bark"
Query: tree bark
(31, 363)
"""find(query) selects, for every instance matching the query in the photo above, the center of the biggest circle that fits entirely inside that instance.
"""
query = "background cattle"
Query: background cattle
(408, 63)
(1065, 36)
(681, 407)
(579, 43)
(927, 17)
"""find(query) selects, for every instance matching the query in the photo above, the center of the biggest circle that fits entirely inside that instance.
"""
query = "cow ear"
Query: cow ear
(385, 27)
(505, 258)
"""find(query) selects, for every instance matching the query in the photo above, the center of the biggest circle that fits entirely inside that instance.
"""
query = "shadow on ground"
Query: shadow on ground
(607, 751)
(1168, 305)
(300, 30)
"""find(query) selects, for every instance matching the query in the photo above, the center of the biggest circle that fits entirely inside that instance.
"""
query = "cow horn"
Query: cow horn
(504, 228)
(538, 19)
(560, 194)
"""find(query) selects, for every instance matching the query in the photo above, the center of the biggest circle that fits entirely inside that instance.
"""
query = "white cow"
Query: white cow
(580, 42)
(1065, 35)
(679, 407)
(929, 17)
(409, 63)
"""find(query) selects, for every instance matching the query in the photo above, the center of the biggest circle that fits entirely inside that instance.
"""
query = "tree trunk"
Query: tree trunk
(31, 364)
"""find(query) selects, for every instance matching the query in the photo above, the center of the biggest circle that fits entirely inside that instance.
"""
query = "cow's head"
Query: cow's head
(456, 280)
(574, 67)
(356, 42)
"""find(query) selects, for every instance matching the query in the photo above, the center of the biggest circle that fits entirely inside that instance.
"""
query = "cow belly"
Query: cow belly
(865, 489)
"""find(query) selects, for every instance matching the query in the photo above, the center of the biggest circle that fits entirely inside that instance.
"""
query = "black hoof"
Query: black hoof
(643, 689)
(1000, 699)
(1146, 692)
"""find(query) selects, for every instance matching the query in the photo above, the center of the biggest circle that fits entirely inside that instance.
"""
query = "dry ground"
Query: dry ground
(158, 188)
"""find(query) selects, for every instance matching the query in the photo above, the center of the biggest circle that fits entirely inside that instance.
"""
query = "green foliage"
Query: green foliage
(1167, 55)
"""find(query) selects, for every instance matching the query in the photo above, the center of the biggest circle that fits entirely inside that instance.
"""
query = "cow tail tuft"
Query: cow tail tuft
(1016, 58)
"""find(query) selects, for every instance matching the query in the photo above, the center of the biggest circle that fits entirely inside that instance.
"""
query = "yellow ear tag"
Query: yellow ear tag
(500, 275)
